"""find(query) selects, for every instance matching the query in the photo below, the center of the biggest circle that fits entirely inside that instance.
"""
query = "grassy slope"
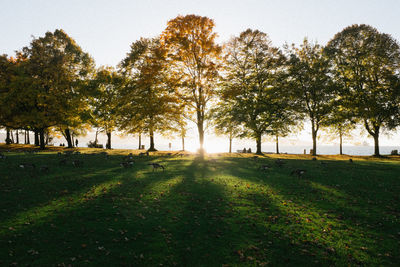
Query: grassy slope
(199, 212)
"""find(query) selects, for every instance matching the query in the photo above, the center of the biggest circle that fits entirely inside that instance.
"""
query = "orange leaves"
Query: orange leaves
(193, 58)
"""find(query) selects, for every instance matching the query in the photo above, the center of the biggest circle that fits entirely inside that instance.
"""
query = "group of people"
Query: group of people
(246, 151)
(76, 143)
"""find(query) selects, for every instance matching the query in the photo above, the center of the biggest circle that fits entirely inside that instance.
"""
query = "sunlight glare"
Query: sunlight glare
(212, 144)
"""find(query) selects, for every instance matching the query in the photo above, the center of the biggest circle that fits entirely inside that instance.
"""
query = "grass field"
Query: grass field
(218, 211)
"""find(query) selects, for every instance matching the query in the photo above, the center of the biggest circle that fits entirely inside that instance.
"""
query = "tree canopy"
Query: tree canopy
(243, 88)
(193, 62)
(310, 85)
(250, 81)
(366, 64)
(50, 88)
(148, 103)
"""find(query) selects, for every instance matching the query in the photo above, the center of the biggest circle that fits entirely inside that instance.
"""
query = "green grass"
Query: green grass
(199, 212)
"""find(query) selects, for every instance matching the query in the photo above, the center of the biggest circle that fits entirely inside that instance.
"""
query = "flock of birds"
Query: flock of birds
(67, 158)
(129, 161)
(296, 172)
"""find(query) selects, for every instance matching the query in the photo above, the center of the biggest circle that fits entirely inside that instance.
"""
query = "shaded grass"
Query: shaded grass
(199, 212)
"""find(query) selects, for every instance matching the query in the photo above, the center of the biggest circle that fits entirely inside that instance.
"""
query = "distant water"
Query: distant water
(332, 150)
(293, 149)
(162, 144)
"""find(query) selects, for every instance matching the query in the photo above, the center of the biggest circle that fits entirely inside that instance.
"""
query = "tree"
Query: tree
(286, 120)
(148, 103)
(7, 75)
(182, 132)
(251, 76)
(57, 71)
(367, 65)
(16, 97)
(180, 126)
(224, 122)
(193, 57)
(105, 101)
(310, 85)
(341, 122)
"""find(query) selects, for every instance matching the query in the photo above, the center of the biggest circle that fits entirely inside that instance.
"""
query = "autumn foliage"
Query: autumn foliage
(245, 87)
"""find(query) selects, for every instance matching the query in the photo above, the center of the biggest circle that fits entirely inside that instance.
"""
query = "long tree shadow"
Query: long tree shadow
(29, 190)
(340, 206)
(196, 212)
(84, 213)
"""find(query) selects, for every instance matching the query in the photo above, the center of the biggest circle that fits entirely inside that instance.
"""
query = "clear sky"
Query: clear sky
(106, 28)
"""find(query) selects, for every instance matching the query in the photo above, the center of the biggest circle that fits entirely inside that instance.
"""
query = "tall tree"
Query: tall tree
(105, 101)
(193, 57)
(341, 122)
(16, 97)
(286, 120)
(250, 82)
(58, 70)
(224, 121)
(180, 126)
(367, 64)
(310, 85)
(148, 103)
(7, 75)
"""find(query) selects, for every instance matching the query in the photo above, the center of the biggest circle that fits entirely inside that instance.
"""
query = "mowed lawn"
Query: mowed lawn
(218, 211)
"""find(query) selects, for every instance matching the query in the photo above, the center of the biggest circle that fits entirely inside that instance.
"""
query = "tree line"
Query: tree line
(245, 87)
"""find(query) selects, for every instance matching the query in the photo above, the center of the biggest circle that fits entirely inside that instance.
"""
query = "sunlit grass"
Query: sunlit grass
(220, 210)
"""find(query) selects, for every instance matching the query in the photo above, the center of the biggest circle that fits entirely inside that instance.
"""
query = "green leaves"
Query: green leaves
(366, 66)
(309, 84)
(148, 102)
(48, 88)
(250, 83)
(105, 90)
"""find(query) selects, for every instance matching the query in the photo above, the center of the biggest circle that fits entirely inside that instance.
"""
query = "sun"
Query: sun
(212, 144)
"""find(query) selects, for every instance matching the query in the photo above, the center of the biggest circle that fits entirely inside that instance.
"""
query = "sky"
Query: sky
(106, 28)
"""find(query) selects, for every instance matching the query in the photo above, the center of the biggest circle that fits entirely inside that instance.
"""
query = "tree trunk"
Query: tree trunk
(68, 137)
(95, 139)
(37, 143)
(376, 144)
(314, 138)
(375, 134)
(183, 143)
(42, 142)
(72, 139)
(17, 137)
(25, 137)
(47, 134)
(12, 137)
(230, 144)
(277, 144)
(341, 143)
(258, 141)
(140, 141)
(200, 128)
(152, 148)
(108, 145)
(8, 139)
(28, 139)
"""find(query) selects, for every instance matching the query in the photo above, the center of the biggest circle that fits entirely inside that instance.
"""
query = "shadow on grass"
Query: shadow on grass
(197, 213)
(338, 201)
(26, 189)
